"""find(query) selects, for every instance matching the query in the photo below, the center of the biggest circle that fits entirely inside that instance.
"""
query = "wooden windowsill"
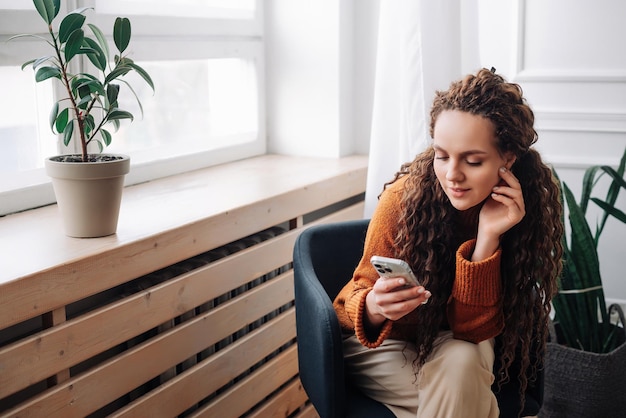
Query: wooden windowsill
(168, 210)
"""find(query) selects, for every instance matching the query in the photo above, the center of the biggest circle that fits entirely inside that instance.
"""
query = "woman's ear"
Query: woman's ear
(510, 159)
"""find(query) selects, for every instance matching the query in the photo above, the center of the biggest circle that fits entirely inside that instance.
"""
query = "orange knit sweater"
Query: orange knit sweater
(474, 310)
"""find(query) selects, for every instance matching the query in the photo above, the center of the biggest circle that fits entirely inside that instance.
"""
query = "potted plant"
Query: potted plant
(89, 106)
(586, 359)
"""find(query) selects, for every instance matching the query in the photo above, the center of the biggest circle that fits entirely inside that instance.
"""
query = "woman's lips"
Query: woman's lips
(457, 191)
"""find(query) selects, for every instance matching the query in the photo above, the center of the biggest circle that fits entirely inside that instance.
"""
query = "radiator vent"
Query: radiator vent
(100, 300)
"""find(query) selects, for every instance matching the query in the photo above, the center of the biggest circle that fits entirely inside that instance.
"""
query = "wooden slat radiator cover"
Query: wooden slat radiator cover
(211, 335)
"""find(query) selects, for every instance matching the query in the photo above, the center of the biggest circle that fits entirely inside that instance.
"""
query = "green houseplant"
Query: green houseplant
(88, 108)
(581, 294)
(586, 359)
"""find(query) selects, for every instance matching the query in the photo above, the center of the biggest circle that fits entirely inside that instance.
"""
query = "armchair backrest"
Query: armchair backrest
(331, 252)
(324, 259)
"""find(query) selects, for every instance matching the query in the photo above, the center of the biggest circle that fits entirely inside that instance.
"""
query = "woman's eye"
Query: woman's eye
(440, 157)
(474, 163)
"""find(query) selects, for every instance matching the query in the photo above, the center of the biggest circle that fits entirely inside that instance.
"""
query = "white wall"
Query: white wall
(320, 58)
(570, 59)
(568, 56)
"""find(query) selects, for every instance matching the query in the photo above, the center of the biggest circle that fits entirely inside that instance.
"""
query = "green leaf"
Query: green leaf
(583, 245)
(47, 58)
(27, 63)
(83, 102)
(30, 35)
(113, 91)
(134, 94)
(616, 176)
(69, 24)
(82, 10)
(89, 123)
(106, 137)
(73, 44)
(53, 115)
(67, 133)
(610, 209)
(588, 182)
(116, 72)
(96, 57)
(62, 119)
(45, 73)
(102, 40)
(47, 9)
(85, 86)
(85, 49)
(617, 184)
(121, 33)
(118, 114)
(142, 73)
(85, 99)
(84, 95)
(81, 79)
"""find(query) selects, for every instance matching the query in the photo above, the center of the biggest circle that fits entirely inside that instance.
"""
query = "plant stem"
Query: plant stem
(100, 125)
(66, 83)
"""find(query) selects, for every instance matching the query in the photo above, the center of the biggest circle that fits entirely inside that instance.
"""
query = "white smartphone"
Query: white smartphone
(392, 267)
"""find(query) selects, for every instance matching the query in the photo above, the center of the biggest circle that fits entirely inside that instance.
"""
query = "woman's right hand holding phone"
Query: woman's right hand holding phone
(391, 298)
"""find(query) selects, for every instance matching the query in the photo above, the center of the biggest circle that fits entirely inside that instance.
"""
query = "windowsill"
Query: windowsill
(33, 241)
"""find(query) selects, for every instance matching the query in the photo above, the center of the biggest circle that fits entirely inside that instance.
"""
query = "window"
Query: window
(206, 61)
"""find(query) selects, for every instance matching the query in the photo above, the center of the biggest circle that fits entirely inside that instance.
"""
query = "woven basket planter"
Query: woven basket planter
(581, 384)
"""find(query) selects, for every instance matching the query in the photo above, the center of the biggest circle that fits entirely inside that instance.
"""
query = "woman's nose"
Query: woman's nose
(454, 172)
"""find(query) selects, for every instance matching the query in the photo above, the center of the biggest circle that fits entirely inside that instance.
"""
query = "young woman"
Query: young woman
(477, 217)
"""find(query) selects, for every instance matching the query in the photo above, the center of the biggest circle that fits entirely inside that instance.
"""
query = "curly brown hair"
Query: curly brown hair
(531, 250)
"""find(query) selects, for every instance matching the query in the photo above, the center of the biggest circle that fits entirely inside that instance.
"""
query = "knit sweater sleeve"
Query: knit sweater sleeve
(475, 306)
(350, 302)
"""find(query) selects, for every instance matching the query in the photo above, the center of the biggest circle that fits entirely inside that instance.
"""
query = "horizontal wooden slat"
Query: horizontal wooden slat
(254, 388)
(188, 388)
(269, 189)
(308, 412)
(349, 213)
(284, 403)
(88, 392)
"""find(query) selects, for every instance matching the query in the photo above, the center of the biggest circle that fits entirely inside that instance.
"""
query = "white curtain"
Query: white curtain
(423, 45)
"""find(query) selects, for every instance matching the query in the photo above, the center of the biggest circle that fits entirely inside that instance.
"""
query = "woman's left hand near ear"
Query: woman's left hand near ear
(505, 207)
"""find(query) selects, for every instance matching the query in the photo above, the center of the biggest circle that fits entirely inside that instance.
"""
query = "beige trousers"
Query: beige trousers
(455, 382)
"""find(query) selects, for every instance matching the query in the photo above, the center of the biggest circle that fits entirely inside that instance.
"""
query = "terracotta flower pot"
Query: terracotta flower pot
(89, 194)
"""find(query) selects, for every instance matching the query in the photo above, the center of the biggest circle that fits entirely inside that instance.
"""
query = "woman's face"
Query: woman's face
(467, 161)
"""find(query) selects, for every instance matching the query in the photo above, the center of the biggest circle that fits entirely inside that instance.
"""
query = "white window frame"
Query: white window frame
(184, 38)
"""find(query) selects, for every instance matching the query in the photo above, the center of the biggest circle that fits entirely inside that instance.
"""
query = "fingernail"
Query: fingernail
(503, 169)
